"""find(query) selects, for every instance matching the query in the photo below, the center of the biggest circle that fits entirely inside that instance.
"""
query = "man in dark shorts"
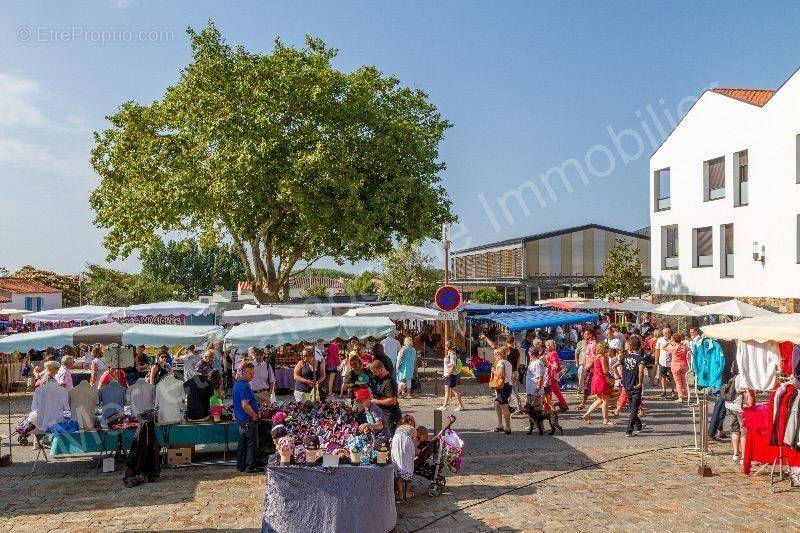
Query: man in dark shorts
(633, 379)
(384, 388)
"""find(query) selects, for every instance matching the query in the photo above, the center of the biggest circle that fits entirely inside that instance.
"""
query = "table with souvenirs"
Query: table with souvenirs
(326, 471)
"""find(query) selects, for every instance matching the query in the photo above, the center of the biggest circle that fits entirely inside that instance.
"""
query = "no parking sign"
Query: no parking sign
(447, 298)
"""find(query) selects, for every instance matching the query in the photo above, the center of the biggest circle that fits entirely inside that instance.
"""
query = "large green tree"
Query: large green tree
(407, 276)
(104, 286)
(288, 157)
(622, 273)
(195, 268)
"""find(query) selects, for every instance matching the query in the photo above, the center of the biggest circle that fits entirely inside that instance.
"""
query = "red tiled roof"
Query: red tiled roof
(5, 297)
(757, 97)
(23, 286)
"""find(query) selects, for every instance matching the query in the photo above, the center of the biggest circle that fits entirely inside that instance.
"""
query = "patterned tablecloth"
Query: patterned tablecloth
(348, 498)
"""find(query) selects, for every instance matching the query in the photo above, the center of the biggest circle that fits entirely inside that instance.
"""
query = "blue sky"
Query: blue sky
(529, 86)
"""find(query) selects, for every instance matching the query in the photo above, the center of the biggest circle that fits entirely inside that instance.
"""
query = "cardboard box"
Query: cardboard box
(179, 455)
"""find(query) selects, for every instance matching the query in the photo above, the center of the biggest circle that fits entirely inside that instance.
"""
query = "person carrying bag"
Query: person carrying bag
(501, 381)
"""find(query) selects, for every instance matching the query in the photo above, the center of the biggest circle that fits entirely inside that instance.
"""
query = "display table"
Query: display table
(757, 448)
(348, 498)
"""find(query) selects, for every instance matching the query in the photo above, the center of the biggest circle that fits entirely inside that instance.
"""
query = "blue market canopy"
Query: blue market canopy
(485, 309)
(112, 333)
(307, 329)
(541, 318)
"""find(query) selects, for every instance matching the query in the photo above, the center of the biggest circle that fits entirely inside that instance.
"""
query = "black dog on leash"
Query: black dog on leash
(537, 416)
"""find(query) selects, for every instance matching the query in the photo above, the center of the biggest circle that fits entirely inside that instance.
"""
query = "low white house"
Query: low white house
(17, 293)
(725, 200)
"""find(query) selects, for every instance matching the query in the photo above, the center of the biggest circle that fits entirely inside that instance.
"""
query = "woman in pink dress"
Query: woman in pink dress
(601, 386)
(679, 365)
(554, 367)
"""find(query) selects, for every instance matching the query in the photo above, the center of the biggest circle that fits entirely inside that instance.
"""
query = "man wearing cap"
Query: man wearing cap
(375, 419)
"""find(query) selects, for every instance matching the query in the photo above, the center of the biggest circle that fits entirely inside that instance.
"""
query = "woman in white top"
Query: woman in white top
(97, 367)
(450, 377)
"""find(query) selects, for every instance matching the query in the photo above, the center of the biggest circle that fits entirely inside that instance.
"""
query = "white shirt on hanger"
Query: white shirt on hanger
(141, 396)
(169, 398)
(49, 401)
(83, 400)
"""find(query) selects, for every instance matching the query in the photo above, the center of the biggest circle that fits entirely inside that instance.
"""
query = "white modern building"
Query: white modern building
(725, 200)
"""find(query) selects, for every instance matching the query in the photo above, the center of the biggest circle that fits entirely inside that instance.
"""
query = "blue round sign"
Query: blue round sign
(448, 298)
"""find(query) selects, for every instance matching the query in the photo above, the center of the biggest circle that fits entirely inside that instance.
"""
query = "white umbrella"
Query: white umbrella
(777, 327)
(734, 308)
(635, 305)
(678, 308)
(396, 312)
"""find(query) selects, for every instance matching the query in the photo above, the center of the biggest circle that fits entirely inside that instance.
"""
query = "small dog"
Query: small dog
(538, 416)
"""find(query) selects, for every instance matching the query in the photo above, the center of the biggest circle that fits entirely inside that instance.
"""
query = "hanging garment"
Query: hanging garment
(169, 399)
(141, 397)
(792, 423)
(786, 349)
(783, 412)
(49, 401)
(112, 401)
(143, 457)
(198, 399)
(708, 362)
(83, 404)
(758, 363)
(774, 405)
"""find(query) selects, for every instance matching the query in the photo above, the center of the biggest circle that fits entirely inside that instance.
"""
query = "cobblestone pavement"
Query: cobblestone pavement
(593, 478)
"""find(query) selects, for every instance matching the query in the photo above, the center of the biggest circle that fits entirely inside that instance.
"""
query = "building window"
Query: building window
(33, 303)
(702, 244)
(726, 250)
(669, 247)
(797, 158)
(661, 187)
(714, 179)
(741, 194)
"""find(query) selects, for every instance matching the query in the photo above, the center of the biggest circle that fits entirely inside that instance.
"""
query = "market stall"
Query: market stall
(252, 313)
(768, 358)
(170, 312)
(294, 331)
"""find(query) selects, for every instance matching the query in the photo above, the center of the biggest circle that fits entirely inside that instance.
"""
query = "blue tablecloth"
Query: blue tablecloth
(99, 440)
(300, 499)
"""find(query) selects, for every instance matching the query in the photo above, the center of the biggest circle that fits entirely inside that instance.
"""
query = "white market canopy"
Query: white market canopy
(734, 308)
(13, 314)
(84, 313)
(113, 333)
(167, 308)
(635, 305)
(323, 309)
(678, 308)
(396, 312)
(260, 314)
(777, 327)
(307, 329)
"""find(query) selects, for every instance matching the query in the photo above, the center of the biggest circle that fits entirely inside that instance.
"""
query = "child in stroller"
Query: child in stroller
(24, 430)
(431, 448)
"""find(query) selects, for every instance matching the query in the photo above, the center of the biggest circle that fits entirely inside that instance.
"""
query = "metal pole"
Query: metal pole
(446, 244)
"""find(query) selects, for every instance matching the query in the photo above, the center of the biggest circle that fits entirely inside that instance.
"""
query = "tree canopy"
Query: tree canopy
(195, 269)
(486, 295)
(105, 286)
(408, 276)
(286, 156)
(362, 284)
(622, 273)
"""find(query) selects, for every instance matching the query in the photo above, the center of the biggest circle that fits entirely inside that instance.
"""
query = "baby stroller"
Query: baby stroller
(23, 431)
(433, 471)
